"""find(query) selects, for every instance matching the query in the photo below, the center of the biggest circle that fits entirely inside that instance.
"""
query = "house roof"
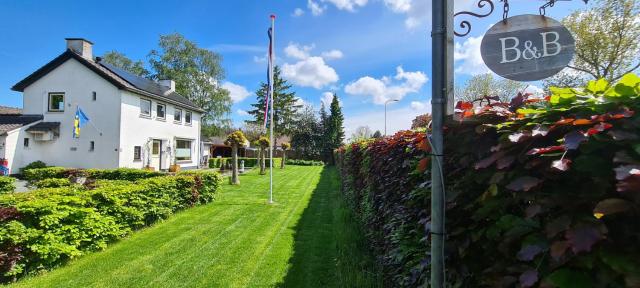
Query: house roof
(5, 110)
(11, 122)
(118, 77)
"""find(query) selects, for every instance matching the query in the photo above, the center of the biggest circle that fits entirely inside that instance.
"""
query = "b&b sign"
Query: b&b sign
(527, 47)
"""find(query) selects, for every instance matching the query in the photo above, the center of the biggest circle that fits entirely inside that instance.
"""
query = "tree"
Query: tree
(335, 131)
(421, 121)
(486, 85)
(121, 61)
(235, 140)
(606, 36)
(377, 134)
(361, 133)
(198, 73)
(324, 141)
(285, 146)
(284, 102)
(565, 78)
(306, 135)
(263, 143)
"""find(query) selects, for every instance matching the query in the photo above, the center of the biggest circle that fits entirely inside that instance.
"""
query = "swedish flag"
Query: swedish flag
(80, 120)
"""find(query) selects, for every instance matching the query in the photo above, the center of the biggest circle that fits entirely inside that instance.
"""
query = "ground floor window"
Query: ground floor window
(183, 150)
(137, 153)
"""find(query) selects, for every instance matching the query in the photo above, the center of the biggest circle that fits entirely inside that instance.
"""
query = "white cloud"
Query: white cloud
(297, 12)
(326, 98)
(535, 90)
(332, 54)
(398, 6)
(300, 101)
(468, 58)
(397, 119)
(349, 5)
(384, 89)
(418, 12)
(419, 106)
(242, 112)
(315, 8)
(297, 51)
(260, 59)
(310, 72)
(236, 92)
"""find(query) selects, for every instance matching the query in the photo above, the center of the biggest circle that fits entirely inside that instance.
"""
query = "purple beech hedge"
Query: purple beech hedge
(540, 192)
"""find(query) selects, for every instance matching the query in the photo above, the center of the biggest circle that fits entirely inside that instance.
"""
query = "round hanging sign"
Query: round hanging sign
(527, 47)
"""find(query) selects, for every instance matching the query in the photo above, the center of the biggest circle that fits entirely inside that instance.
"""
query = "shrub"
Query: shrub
(53, 183)
(301, 162)
(248, 162)
(128, 174)
(7, 184)
(33, 165)
(46, 227)
(540, 192)
(37, 174)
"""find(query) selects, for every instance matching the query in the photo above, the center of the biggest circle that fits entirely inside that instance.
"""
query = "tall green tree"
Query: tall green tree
(487, 84)
(335, 131)
(284, 102)
(306, 138)
(324, 143)
(198, 73)
(606, 36)
(123, 62)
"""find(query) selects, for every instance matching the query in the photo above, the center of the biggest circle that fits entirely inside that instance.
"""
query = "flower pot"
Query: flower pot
(149, 168)
(174, 168)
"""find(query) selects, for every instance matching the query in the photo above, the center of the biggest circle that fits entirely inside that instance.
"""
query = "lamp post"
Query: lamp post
(385, 113)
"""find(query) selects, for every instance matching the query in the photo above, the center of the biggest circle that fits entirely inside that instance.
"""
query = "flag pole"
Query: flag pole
(271, 143)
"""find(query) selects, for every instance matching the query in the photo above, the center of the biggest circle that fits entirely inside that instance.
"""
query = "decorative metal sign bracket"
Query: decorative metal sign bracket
(466, 25)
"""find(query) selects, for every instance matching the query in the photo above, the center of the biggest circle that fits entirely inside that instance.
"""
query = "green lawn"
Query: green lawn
(306, 239)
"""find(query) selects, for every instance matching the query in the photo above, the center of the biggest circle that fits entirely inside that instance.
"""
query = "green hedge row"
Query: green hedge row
(7, 184)
(300, 162)
(129, 174)
(540, 192)
(248, 162)
(47, 227)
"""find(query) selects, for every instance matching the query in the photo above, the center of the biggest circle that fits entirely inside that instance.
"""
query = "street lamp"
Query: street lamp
(385, 113)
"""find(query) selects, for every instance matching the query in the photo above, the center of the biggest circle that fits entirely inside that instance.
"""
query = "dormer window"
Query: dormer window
(56, 102)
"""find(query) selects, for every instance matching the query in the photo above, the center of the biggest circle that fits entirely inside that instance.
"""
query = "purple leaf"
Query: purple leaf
(484, 163)
(505, 162)
(573, 139)
(532, 211)
(611, 206)
(529, 278)
(562, 164)
(583, 238)
(529, 252)
(625, 171)
(518, 136)
(558, 248)
(557, 225)
(540, 130)
(524, 183)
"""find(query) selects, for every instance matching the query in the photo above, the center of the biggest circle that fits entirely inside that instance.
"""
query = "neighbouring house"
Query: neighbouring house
(133, 121)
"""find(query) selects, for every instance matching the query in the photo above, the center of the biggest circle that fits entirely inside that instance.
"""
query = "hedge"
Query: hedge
(129, 174)
(300, 162)
(248, 162)
(540, 192)
(7, 184)
(47, 227)
(53, 183)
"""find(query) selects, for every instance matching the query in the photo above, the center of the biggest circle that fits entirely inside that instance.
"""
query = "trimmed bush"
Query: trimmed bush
(248, 162)
(33, 165)
(53, 183)
(7, 184)
(300, 162)
(128, 174)
(37, 174)
(45, 228)
(540, 192)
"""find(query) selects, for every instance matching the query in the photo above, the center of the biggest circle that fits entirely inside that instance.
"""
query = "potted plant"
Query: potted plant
(173, 167)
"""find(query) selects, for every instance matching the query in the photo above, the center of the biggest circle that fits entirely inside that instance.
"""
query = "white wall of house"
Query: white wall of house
(78, 83)
(139, 130)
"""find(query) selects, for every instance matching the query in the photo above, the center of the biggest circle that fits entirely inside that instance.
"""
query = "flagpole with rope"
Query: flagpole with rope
(271, 124)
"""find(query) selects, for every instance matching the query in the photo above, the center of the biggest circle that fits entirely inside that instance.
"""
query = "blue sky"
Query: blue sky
(366, 51)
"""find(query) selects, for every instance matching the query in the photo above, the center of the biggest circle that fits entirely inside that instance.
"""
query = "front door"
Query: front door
(156, 151)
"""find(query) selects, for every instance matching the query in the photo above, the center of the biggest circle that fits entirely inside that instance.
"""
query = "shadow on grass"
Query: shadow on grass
(329, 247)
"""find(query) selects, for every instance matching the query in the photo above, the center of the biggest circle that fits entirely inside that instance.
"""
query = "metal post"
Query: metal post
(385, 113)
(273, 35)
(441, 68)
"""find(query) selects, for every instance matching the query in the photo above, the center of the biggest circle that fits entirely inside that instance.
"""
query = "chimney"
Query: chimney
(81, 46)
(169, 84)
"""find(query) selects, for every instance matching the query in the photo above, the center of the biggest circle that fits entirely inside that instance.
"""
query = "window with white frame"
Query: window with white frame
(177, 115)
(187, 117)
(56, 102)
(161, 111)
(183, 150)
(145, 107)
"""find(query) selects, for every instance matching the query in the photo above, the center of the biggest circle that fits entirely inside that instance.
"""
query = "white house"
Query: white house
(134, 122)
